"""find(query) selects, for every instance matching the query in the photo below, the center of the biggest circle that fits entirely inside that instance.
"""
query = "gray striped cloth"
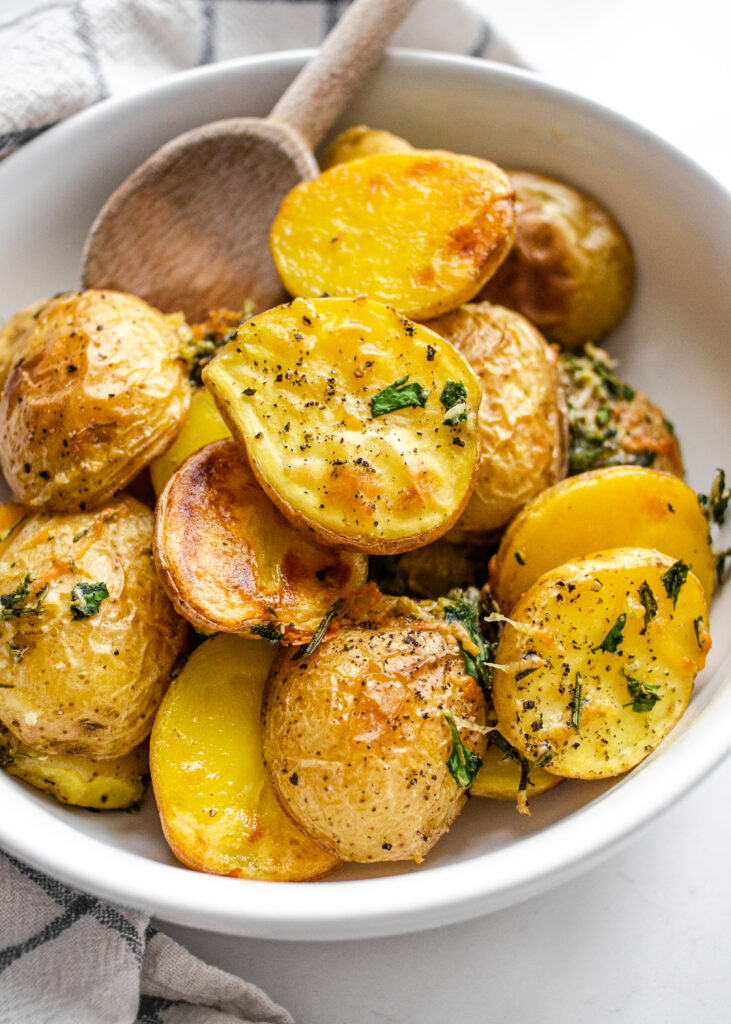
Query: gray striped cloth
(68, 957)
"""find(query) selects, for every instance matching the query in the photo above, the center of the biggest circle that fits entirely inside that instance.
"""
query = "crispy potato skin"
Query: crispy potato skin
(12, 335)
(360, 140)
(616, 507)
(295, 387)
(98, 394)
(229, 560)
(89, 686)
(217, 808)
(521, 420)
(108, 785)
(571, 269)
(422, 231)
(563, 622)
(355, 739)
(202, 425)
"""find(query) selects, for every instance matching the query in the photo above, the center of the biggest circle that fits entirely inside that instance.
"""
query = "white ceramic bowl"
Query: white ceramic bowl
(674, 345)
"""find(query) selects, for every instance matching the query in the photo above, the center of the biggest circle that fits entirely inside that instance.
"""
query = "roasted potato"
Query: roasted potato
(571, 269)
(10, 517)
(88, 637)
(422, 231)
(431, 571)
(230, 561)
(217, 808)
(13, 334)
(359, 140)
(617, 507)
(521, 422)
(610, 423)
(82, 781)
(98, 392)
(202, 425)
(506, 775)
(356, 737)
(599, 660)
(317, 392)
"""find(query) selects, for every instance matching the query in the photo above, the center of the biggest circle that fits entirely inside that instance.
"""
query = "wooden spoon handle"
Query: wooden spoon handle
(324, 87)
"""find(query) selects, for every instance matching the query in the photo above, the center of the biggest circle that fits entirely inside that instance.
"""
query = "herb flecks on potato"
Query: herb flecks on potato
(231, 561)
(422, 231)
(97, 392)
(599, 660)
(340, 404)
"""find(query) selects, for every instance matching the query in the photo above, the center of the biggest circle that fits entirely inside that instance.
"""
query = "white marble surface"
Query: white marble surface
(646, 937)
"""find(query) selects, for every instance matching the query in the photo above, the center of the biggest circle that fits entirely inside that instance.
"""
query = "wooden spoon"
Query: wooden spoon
(189, 229)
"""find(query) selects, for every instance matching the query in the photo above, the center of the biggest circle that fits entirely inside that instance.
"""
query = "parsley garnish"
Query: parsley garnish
(577, 703)
(475, 664)
(674, 579)
(649, 602)
(268, 631)
(462, 763)
(697, 624)
(715, 504)
(518, 558)
(86, 599)
(14, 604)
(322, 629)
(398, 395)
(614, 637)
(719, 559)
(454, 400)
(17, 653)
(546, 759)
(12, 529)
(644, 695)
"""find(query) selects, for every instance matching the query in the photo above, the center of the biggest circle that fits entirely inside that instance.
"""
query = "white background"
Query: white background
(645, 938)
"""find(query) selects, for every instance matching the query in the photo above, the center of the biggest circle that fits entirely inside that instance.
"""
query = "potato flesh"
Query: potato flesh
(562, 623)
(216, 805)
(201, 426)
(359, 140)
(230, 561)
(520, 422)
(422, 231)
(295, 387)
(617, 507)
(499, 779)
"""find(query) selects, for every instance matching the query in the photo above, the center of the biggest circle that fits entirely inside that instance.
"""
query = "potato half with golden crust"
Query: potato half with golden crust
(98, 393)
(360, 140)
(359, 424)
(620, 506)
(88, 636)
(571, 269)
(422, 231)
(355, 737)
(230, 561)
(521, 422)
(599, 660)
(108, 785)
(201, 426)
(217, 807)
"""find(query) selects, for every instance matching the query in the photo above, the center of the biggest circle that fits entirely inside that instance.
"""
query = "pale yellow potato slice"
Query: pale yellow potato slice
(302, 386)
(599, 660)
(360, 140)
(500, 776)
(201, 426)
(420, 230)
(217, 808)
(622, 506)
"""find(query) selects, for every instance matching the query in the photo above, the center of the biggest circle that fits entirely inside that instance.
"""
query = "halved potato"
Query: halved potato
(500, 777)
(202, 425)
(217, 808)
(422, 231)
(107, 785)
(230, 561)
(360, 140)
(358, 423)
(621, 506)
(521, 422)
(599, 660)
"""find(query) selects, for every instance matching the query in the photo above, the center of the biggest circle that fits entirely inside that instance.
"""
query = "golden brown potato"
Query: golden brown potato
(610, 423)
(571, 269)
(599, 660)
(10, 517)
(521, 422)
(98, 393)
(422, 231)
(506, 775)
(359, 424)
(87, 635)
(230, 561)
(13, 333)
(217, 808)
(621, 506)
(359, 140)
(202, 425)
(356, 739)
(108, 785)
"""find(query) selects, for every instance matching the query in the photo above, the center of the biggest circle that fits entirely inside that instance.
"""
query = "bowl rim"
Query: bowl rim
(406, 902)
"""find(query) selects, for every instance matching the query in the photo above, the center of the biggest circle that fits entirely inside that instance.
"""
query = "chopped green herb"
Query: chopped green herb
(715, 503)
(268, 631)
(614, 637)
(525, 672)
(7, 686)
(454, 400)
(9, 533)
(518, 558)
(322, 629)
(496, 739)
(577, 703)
(17, 653)
(475, 664)
(674, 579)
(202, 632)
(462, 763)
(644, 695)
(86, 599)
(649, 602)
(614, 386)
(14, 605)
(719, 560)
(545, 759)
(179, 666)
(603, 415)
(398, 395)
(697, 626)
